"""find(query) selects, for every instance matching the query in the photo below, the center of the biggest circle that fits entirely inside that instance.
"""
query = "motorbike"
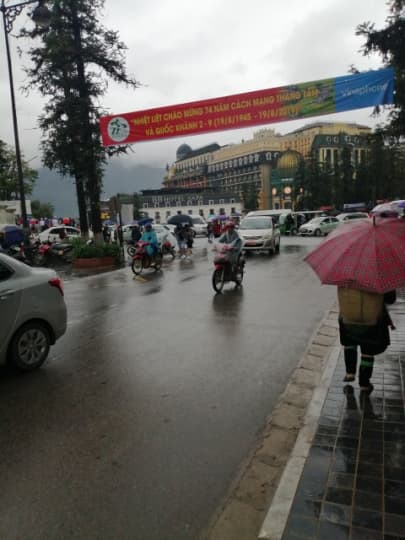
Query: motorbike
(142, 260)
(168, 249)
(17, 251)
(53, 251)
(225, 271)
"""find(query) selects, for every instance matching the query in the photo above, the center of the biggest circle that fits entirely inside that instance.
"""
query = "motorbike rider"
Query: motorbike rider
(231, 237)
(149, 235)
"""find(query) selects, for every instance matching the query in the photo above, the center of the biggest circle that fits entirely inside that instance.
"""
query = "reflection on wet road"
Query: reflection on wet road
(138, 422)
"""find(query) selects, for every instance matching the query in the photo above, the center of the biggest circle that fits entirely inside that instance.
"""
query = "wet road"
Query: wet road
(137, 423)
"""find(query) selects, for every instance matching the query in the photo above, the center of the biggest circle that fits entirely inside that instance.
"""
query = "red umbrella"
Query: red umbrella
(367, 255)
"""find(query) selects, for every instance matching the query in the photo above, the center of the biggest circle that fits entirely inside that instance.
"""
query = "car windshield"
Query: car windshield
(197, 221)
(315, 221)
(256, 223)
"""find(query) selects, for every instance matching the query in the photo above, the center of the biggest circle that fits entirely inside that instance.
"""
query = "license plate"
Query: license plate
(250, 243)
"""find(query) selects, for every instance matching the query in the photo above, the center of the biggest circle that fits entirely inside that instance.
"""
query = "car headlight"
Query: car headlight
(267, 237)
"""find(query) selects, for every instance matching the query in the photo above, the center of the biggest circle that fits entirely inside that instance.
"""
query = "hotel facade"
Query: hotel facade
(269, 161)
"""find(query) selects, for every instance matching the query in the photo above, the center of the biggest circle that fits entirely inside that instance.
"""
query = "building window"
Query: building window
(232, 201)
(222, 211)
(201, 212)
(212, 211)
(145, 205)
(211, 202)
(221, 201)
(190, 212)
(168, 213)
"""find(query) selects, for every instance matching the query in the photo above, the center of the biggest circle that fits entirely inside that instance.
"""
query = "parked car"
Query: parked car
(127, 232)
(53, 234)
(199, 225)
(259, 233)
(349, 216)
(319, 226)
(32, 313)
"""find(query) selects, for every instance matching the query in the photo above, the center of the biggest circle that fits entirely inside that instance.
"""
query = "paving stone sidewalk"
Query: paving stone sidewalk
(352, 485)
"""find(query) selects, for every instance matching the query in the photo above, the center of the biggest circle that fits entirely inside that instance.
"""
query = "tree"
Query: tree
(71, 67)
(390, 44)
(250, 196)
(9, 183)
(42, 210)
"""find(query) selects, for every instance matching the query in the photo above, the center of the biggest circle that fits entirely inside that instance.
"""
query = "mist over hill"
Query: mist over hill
(61, 192)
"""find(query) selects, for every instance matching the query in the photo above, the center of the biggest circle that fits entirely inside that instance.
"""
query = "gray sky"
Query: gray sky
(183, 51)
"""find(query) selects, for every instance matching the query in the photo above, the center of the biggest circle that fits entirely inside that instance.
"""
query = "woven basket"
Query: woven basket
(359, 307)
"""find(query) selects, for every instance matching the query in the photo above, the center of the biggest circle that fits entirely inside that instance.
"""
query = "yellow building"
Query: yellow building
(269, 160)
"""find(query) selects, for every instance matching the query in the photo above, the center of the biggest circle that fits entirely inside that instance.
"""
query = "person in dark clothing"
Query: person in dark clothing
(136, 234)
(189, 238)
(369, 330)
(106, 234)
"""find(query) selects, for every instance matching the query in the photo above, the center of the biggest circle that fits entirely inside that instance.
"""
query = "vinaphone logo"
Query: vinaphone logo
(118, 129)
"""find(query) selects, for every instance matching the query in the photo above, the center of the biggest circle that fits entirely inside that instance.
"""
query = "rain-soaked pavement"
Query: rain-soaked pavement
(137, 424)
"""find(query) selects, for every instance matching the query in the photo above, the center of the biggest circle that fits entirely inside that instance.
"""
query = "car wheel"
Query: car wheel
(277, 250)
(30, 346)
(317, 232)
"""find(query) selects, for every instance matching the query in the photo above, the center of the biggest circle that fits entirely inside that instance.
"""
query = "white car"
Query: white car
(32, 313)
(164, 233)
(351, 216)
(319, 226)
(53, 234)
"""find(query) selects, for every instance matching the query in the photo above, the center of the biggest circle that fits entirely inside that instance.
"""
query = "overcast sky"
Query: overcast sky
(184, 51)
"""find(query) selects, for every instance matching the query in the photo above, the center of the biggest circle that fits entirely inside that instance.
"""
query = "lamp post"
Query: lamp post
(40, 15)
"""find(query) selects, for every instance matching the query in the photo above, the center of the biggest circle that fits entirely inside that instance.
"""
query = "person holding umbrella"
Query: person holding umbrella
(366, 260)
(180, 220)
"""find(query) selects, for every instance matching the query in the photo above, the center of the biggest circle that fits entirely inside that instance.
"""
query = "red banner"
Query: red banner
(250, 109)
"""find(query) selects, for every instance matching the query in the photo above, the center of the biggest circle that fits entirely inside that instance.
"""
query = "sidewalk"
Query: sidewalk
(345, 478)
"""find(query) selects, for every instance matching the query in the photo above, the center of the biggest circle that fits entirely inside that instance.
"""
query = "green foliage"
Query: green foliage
(389, 42)
(9, 184)
(40, 210)
(72, 61)
(82, 250)
(250, 196)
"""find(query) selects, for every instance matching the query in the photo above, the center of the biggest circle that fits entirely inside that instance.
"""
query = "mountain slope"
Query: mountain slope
(61, 192)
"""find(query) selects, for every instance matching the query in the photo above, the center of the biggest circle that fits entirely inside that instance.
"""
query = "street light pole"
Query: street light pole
(10, 13)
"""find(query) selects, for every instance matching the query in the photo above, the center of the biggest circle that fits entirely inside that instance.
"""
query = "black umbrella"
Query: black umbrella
(180, 219)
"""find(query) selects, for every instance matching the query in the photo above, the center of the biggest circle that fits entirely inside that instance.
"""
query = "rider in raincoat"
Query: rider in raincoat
(231, 237)
(149, 235)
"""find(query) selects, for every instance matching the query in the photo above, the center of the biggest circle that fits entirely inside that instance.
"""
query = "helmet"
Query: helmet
(148, 226)
(229, 225)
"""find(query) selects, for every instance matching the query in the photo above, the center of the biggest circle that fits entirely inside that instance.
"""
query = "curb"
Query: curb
(277, 515)
(263, 490)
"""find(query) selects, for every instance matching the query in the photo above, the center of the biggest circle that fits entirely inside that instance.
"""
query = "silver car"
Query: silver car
(32, 313)
(259, 233)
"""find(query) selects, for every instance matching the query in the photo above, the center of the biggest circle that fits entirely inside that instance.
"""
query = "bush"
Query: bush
(82, 250)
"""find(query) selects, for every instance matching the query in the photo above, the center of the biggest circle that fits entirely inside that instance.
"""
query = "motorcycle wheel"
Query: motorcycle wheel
(137, 266)
(131, 250)
(218, 279)
(239, 275)
(158, 262)
(170, 251)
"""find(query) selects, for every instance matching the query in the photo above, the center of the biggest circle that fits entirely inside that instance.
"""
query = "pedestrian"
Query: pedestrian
(181, 240)
(189, 238)
(106, 234)
(364, 322)
(135, 234)
(210, 232)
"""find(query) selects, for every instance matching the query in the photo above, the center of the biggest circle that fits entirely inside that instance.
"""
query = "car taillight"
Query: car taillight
(57, 282)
